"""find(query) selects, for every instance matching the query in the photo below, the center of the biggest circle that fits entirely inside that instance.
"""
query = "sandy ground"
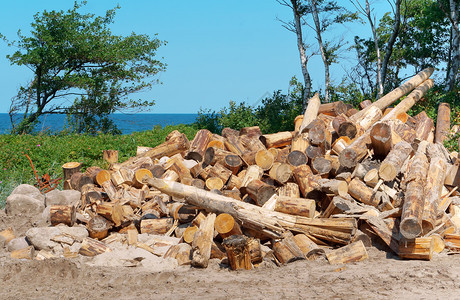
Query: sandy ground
(382, 276)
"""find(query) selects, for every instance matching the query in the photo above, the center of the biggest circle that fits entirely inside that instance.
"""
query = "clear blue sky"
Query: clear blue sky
(217, 50)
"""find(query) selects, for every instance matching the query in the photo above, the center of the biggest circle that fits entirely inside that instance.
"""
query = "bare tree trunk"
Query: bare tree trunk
(391, 42)
(455, 65)
(377, 50)
(321, 48)
(303, 56)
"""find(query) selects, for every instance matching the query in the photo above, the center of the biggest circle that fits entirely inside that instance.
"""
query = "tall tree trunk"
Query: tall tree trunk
(455, 65)
(303, 55)
(377, 50)
(391, 42)
(321, 48)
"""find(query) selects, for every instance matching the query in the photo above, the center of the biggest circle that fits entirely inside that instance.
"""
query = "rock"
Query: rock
(42, 237)
(66, 197)
(18, 204)
(29, 190)
(17, 244)
(45, 217)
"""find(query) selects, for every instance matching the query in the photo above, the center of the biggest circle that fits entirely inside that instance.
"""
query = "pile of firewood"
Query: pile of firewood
(342, 181)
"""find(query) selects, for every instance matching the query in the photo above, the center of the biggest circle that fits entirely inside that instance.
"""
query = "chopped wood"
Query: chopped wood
(351, 253)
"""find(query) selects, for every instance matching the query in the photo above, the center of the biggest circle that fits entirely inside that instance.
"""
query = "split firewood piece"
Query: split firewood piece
(156, 226)
(332, 108)
(237, 249)
(338, 205)
(132, 237)
(259, 191)
(264, 159)
(295, 206)
(110, 190)
(340, 144)
(110, 156)
(24, 253)
(98, 227)
(217, 170)
(289, 189)
(157, 170)
(333, 187)
(252, 172)
(434, 184)
(62, 214)
(142, 149)
(233, 144)
(361, 192)
(297, 122)
(424, 126)
(184, 213)
(102, 176)
(70, 168)
(234, 182)
(414, 197)
(363, 237)
(280, 172)
(343, 126)
(111, 211)
(397, 93)
(351, 110)
(419, 248)
(308, 247)
(92, 247)
(213, 155)
(6, 236)
(139, 174)
(198, 145)
(381, 139)
(189, 234)
(227, 131)
(277, 140)
(181, 252)
(373, 115)
(176, 163)
(226, 225)
(452, 241)
(442, 123)
(286, 250)
(364, 104)
(321, 166)
(305, 179)
(351, 253)
(123, 175)
(202, 242)
(280, 154)
(170, 175)
(300, 142)
(391, 165)
(389, 234)
(310, 112)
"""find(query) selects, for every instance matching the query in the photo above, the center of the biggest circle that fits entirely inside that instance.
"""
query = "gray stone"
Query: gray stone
(17, 244)
(30, 190)
(20, 204)
(41, 237)
(66, 197)
(45, 217)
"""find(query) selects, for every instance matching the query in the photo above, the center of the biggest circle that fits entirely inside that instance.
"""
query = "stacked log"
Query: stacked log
(302, 193)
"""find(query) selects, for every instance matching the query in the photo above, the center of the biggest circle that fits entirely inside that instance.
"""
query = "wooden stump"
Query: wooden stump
(381, 139)
(70, 168)
(98, 227)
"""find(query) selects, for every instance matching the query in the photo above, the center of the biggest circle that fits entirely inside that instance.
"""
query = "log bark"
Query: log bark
(310, 112)
(381, 139)
(351, 253)
(442, 123)
(251, 143)
(62, 214)
(424, 126)
(391, 166)
(268, 222)
(397, 93)
(290, 189)
(305, 179)
(253, 131)
(340, 144)
(277, 140)
(198, 145)
(70, 168)
(202, 242)
(333, 108)
(414, 198)
(237, 248)
(300, 142)
(156, 226)
(295, 206)
(355, 152)
(111, 211)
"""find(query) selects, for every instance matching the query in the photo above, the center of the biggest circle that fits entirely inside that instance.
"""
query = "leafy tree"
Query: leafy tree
(76, 55)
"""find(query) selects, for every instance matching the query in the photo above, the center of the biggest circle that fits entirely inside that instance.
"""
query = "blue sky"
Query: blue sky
(217, 51)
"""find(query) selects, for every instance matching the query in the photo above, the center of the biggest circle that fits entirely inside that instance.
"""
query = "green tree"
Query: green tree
(76, 55)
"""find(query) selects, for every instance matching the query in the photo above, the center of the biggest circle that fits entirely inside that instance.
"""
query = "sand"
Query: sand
(382, 276)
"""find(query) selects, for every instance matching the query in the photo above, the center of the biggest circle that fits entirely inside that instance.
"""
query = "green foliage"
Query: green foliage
(75, 54)
(50, 152)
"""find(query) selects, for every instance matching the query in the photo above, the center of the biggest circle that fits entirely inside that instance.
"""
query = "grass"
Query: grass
(49, 152)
